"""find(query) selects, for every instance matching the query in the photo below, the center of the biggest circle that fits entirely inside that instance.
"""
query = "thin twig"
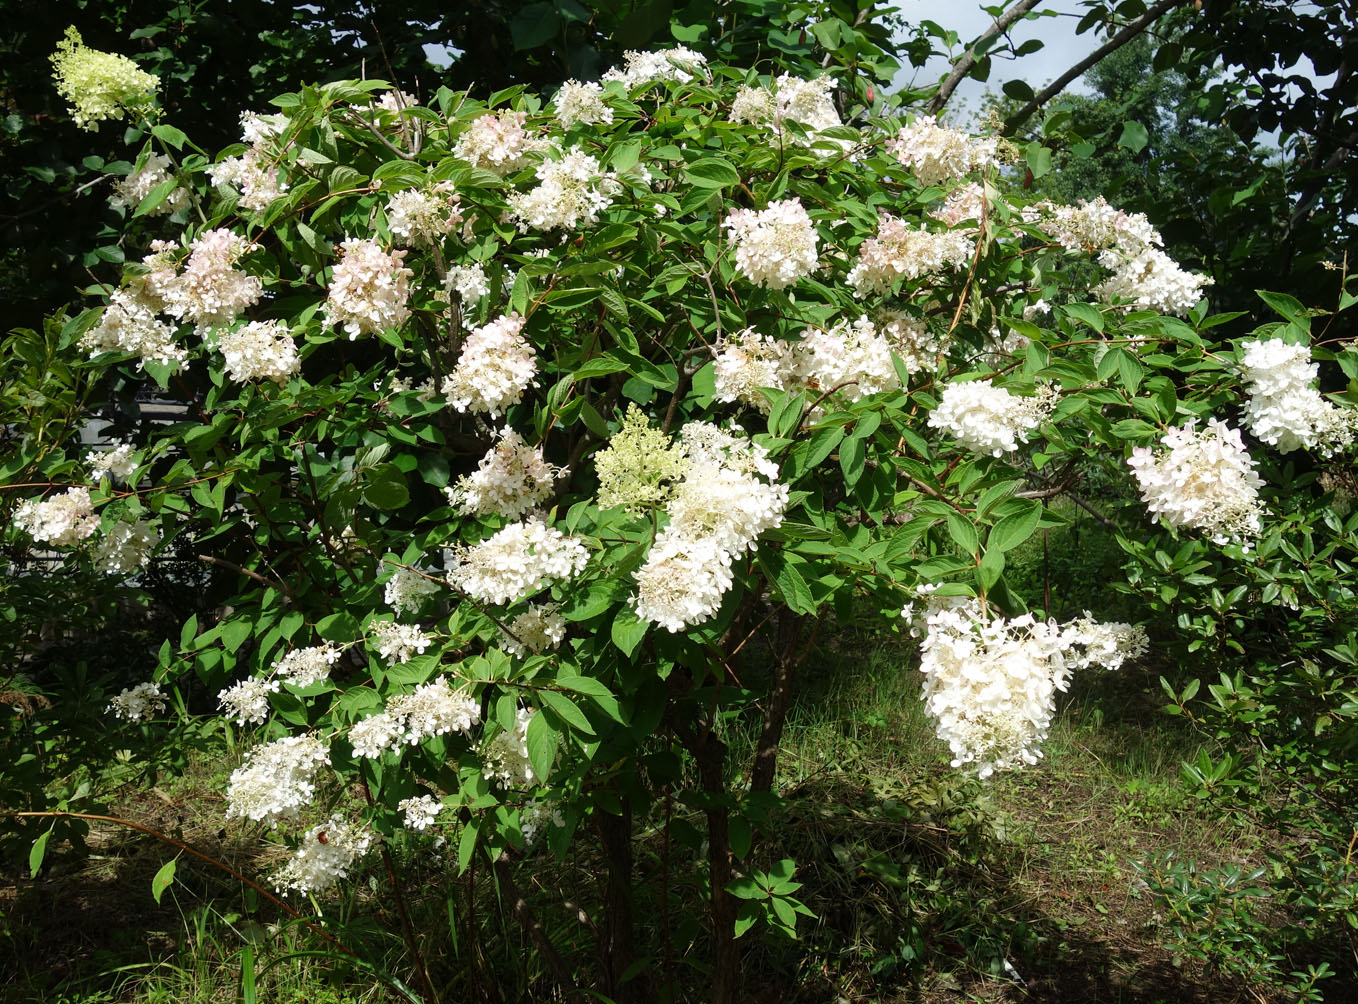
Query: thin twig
(973, 55)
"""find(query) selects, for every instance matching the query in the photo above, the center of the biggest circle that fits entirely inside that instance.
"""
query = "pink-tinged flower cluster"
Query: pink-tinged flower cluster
(1285, 409)
(1202, 478)
(497, 142)
(64, 520)
(967, 202)
(897, 251)
(989, 419)
(128, 192)
(369, 289)
(938, 154)
(210, 291)
(494, 369)
(775, 247)
(418, 218)
(256, 174)
(511, 479)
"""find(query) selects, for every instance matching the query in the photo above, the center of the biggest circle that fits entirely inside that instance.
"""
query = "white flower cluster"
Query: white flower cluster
(1284, 409)
(538, 628)
(419, 219)
(746, 362)
(516, 562)
(967, 202)
(717, 512)
(128, 192)
(406, 590)
(126, 547)
(497, 142)
(1094, 225)
(129, 324)
(139, 702)
(421, 811)
(398, 643)
(990, 684)
(210, 291)
(989, 419)
(505, 757)
(256, 174)
(248, 701)
(1203, 479)
(938, 154)
(117, 463)
(1152, 280)
(276, 780)
(495, 367)
(304, 666)
(775, 247)
(325, 855)
(911, 339)
(64, 520)
(98, 85)
(468, 282)
(898, 252)
(369, 289)
(511, 479)
(581, 104)
(806, 102)
(537, 816)
(261, 350)
(434, 709)
(572, 191)
(680, 64)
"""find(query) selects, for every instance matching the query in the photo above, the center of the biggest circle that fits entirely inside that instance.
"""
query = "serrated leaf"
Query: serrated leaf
(566, 710)
(1012, 530)
(627, 631)
(963, 533)
(386, 488)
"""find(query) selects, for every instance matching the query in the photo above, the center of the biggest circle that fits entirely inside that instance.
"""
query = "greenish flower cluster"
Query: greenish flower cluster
(98, 85)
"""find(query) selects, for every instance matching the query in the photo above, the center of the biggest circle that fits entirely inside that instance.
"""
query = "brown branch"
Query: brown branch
(528, 920)
(973, 55)
(1129, 32)
(249, 573)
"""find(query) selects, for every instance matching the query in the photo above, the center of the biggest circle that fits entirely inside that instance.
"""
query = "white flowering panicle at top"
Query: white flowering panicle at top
(1094, 225)
(515, 562)
(505, 756)
(776, 246)
(1285, 409)
(791, 99)
(989, 419)
(1201, 478)
(64, 520)
(511, 479)
(990, 684)
(128, 192)
(497, 142)
(325, 855)
(126, 547)
(898, 251)
(581, 104)
(260, 350)
(495, 367)
(276, 780)
(406, 590)
(938, 154)
(99, 85)
(537, 629)
(117, 463)
(573, 191)
(679, 64)
(139, 702)
(418, 218)
(369, 289)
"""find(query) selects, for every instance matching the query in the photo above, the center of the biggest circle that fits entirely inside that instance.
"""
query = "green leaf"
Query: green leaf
(1134, 137)
(1286, 306)
(990, 569)
(1038, 156)
(37, 853)
(566, 710)
(340, 627)
(169, 134)
(1014, 529)
(627, 630)
(711, 173)
(1020, 91)
(386, 488)
(542, 740)
(1088, 314)
(533, 25)
(852, 460)
(963, 533)
(163, 878)
(155, 197)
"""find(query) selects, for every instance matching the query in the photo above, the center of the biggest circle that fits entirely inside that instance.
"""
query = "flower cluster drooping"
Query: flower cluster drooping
(1202, 478)
(938, 154)
(897, 252)
(775, 247)
(276, 780)
(511, 479)
(261, 350)
(1151, 280)
(138, 703)
(716, 513)
(496, 366)
(64, 520)
(126, 547)
(129, 324)
(516, 562)
(680, 64)
(99, 85)
(572, 192)
(505, 756)
(1285, 409)
(434, 709)
(989, 419)
(990, 684)
(368, 289)
(325, 855)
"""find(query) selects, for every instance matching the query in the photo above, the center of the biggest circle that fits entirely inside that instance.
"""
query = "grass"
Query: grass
(927, 886)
